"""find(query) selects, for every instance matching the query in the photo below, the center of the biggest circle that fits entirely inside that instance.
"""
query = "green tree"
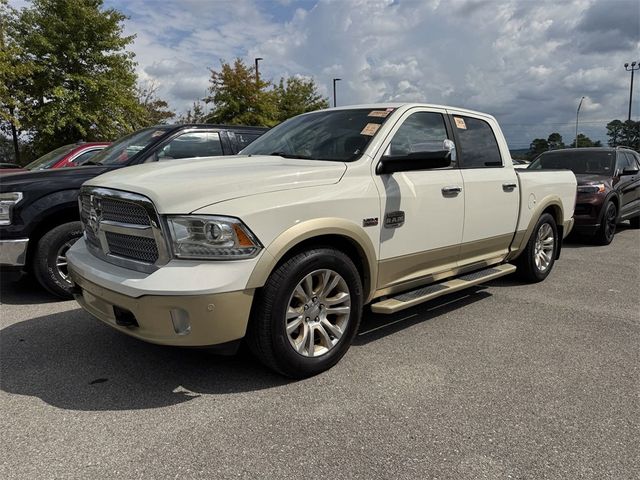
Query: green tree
(155, 110)
(83, 84)
(625, 133)
(555, 141)
(584, 142)
(196, 114)
(538, 146)
(238, 98)
(297, 95)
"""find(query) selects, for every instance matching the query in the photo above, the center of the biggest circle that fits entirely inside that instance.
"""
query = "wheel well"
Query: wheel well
(52, 220)
(345, 244)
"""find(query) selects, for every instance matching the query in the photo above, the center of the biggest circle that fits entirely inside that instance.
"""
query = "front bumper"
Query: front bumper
(183, 316)
(13, 253)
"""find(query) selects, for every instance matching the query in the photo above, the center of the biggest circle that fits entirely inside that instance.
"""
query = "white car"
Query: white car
(382, 205)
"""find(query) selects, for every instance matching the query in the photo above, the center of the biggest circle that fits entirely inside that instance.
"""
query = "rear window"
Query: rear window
(587, 162)
(478, 145)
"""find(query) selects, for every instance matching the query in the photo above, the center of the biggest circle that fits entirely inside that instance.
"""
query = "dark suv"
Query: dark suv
(608, 187)
(39, 218)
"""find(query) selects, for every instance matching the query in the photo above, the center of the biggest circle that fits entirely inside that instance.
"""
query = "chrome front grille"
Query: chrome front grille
(122, 228)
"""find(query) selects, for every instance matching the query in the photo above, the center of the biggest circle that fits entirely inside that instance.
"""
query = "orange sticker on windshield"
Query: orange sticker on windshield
(370, 129)
(460, 123)
(379, 113)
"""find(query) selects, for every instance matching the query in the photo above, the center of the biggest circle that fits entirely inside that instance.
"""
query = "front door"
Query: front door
(423, 210)
(491, 193)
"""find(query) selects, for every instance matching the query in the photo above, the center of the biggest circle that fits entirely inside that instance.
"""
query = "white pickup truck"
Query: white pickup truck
(382, 205)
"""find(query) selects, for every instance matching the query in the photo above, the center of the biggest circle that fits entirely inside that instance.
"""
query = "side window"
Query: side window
(193, 144)
(421, 132)
(243, 138)
(623, 161)
(84, 157)
(478, 145)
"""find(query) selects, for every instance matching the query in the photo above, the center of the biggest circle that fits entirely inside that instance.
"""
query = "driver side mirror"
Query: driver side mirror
(414, 161)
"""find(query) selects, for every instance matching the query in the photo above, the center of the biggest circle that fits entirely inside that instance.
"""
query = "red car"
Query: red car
(72, 155)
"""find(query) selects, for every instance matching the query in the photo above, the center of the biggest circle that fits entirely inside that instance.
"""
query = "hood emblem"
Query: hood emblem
(95, 214)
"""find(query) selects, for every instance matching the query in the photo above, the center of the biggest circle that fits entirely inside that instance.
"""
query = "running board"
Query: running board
(424, 294)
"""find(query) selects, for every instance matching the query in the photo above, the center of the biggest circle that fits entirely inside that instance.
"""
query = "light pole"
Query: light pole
(334, 90)
(578, 113)
(631, 68)
(258, 73)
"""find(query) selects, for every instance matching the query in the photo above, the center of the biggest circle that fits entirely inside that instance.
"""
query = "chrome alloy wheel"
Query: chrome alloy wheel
(318, 313)
(61, 260)
(543, 251)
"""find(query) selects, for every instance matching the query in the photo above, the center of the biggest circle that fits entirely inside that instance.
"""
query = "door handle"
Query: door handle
(509, 187)
(451, 191)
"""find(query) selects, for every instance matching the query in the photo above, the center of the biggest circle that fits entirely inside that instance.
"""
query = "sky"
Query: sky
(528, 62)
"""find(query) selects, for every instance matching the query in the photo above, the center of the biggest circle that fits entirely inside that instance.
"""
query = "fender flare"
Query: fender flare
(308, 230)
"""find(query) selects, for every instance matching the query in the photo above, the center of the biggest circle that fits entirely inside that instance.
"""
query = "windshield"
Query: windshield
(125, 148)
(339, 135)
(50, 159)
(585, 162)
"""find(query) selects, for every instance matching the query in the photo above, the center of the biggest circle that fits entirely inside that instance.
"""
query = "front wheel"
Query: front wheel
(539, 256)
(307, 314)
(50, 258)
(604, 235)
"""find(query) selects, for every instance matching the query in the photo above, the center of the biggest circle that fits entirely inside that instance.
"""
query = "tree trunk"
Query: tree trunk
(14, 134)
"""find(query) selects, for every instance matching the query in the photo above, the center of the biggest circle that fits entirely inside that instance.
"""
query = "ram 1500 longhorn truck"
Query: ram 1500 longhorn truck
(387, 205)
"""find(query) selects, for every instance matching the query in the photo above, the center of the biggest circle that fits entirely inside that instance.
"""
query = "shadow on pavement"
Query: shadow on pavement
(20, 289)
(71, 361)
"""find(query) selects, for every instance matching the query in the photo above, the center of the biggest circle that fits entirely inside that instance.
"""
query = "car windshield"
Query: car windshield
(125, 148)
(585, 162)
(338, 135)
(50, 159)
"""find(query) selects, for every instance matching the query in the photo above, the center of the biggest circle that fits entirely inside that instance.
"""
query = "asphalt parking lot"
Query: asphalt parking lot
(504, 381)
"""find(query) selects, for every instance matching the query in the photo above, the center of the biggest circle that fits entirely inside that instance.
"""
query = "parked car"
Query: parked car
(608, 187)
(388, 205)
(72, 155)
(10, 167)
(517, 163)
(39, 218)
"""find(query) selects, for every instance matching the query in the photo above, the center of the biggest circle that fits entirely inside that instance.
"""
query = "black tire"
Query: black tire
(45, 258)
(604, 235)
(528, 270)
(267, 337)
(635, 222)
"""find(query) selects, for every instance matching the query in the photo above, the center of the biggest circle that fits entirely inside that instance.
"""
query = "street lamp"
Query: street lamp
(334, 90)
(631, 68)
(578, 113)
(257, 73)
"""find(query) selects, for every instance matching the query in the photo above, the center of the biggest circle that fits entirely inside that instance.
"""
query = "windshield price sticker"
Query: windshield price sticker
(379, 113)
(460, 123)
(370, 129)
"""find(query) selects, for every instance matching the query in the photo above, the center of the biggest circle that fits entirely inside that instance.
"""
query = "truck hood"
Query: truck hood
(183, 186)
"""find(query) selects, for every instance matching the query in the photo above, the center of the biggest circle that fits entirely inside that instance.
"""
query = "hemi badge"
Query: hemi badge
(370, 222)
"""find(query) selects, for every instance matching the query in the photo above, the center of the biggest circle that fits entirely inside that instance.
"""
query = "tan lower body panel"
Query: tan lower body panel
(212, 319)
(402, 273)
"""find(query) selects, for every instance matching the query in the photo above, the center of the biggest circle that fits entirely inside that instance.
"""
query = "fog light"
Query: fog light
(180, 320)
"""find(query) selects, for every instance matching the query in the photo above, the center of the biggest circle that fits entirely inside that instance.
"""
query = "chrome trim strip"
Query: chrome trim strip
(13, 252)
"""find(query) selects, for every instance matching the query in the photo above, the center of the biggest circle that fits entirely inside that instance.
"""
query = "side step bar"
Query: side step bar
(423, 294)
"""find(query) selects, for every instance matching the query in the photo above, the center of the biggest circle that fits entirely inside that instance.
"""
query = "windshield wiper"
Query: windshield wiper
(290, 155)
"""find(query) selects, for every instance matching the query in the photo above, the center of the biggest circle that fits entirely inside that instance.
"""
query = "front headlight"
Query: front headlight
(7, 202)
(596, 188)
(211, 238)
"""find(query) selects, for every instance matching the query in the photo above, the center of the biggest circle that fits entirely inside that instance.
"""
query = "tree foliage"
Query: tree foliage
(584, 142)
(238, 97)
(196, 114)
(71, 76)
(555, 141)
(625, 133)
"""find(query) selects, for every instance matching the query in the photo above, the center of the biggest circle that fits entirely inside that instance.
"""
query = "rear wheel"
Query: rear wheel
(607, 230)
(307, 313)
(539, 256)
(50, 258)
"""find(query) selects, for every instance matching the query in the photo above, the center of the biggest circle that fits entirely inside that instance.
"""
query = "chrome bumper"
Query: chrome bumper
(13, 252)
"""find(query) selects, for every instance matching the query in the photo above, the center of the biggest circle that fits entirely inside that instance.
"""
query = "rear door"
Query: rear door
(491, 193)
(629, 184)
